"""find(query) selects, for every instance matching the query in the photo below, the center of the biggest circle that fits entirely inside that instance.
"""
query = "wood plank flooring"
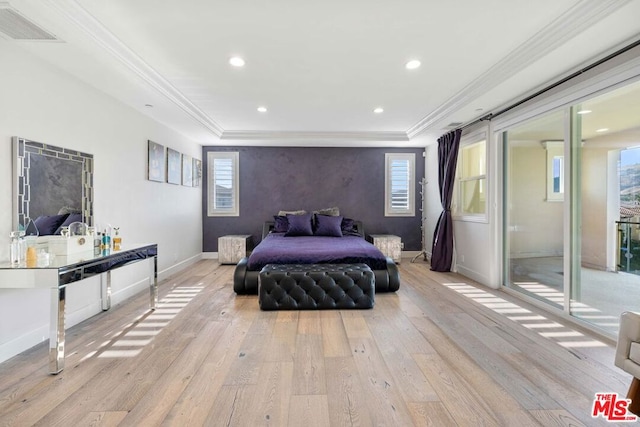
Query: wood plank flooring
(439, 352)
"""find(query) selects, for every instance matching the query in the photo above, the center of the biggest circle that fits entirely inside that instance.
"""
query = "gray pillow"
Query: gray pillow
(69, 210)
(334, 211)
(285, 213)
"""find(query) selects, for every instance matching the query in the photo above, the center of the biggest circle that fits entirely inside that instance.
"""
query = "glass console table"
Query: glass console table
(59, 273)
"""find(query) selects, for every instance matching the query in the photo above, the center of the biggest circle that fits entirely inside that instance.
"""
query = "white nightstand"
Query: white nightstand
(389, 245)
(232, 248)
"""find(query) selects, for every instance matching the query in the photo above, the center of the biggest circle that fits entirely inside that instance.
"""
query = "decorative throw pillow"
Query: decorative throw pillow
(349, 228)
(281, 224)
(299, 225)
(285, 213)
(334, 211)
(328, 226)
(48, 224)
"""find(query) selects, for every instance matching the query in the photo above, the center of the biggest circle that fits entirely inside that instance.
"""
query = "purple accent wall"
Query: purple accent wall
(292, 178)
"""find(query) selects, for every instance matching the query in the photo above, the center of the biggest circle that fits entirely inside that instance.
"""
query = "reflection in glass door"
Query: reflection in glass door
(534, 208)
(606, 133)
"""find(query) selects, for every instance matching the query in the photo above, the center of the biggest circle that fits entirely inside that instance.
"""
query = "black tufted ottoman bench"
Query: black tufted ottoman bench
(315, 286)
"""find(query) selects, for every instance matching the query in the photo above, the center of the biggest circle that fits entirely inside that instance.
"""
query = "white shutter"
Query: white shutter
(223, 188)
(400, 184)
(400, 172)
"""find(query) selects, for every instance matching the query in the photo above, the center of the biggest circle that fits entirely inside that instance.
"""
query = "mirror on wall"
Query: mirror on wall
(50, 181)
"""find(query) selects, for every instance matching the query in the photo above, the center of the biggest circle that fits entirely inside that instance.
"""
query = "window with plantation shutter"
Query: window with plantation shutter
(400, 184)
(223, 199)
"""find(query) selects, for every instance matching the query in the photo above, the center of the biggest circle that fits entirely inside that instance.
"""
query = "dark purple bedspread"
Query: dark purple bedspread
(277, 249)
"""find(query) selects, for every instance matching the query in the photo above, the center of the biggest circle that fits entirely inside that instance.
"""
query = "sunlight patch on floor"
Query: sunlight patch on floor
(543, 326)
(580, 310)
(133, 337)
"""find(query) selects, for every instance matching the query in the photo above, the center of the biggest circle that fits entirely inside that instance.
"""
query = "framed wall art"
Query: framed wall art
(156, 162)
(174, 170)
(187, 170)
(197, 172)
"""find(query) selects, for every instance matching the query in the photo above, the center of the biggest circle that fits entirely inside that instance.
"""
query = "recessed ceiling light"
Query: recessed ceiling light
(236, 61)
(584, 111)
(602, 130)
(413, 64)
(378, 110)
(262, 109)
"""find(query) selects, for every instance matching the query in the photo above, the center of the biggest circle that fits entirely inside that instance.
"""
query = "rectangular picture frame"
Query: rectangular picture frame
(155, 162)
(187, 170)
(197, 172)
(174, 169)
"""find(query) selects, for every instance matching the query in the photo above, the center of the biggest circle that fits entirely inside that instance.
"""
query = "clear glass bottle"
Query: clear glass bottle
(15, 248)
(95, 236)
(23, 246)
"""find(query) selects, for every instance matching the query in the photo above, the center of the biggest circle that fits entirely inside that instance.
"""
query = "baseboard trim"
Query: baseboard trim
(474, 275)
(167, 272)
(209, 255)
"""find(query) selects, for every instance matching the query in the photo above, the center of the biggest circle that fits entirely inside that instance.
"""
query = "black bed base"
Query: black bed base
(245, 282)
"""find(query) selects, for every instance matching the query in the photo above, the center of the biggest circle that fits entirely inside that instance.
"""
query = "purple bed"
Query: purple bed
(278, 249)
(275, 248)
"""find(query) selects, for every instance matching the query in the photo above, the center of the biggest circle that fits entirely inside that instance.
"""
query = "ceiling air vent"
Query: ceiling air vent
(454, 125)
(17, 27)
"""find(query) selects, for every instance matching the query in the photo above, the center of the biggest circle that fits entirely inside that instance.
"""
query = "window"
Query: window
(400, 184)
(223, 199)
(470, 189)
(555, 170)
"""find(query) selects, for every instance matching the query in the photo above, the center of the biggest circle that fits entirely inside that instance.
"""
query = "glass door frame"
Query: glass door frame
(572, 184)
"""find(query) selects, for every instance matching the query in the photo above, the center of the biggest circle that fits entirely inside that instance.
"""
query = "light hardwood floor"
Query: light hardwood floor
(438, 352)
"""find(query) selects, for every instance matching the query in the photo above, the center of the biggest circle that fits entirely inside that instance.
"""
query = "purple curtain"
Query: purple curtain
(442, 249)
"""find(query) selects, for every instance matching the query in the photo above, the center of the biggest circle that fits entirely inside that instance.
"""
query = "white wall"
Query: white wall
(42, 103)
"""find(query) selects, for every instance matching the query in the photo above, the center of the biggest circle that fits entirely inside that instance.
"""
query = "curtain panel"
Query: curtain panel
(442, 248)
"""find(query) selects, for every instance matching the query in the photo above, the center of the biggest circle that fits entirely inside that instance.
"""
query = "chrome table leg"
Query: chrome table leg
(105, 288)
(153, 283)
(56, 330)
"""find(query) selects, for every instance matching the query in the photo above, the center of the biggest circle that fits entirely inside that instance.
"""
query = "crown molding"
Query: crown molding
(88, 24)
(576, 19)
(581, 15)
(236, 135)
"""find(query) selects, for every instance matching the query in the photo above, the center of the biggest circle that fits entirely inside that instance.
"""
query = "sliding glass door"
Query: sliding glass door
(534, 208)
(571, 189)
(607, 189)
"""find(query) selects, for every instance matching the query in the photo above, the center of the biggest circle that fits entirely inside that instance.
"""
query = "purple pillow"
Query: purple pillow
(48, 224)
(299, 225)
(281, 224)
(328, 226)
(348, 227)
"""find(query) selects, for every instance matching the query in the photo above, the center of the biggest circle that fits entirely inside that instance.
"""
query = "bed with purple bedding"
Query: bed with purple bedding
(276, 248)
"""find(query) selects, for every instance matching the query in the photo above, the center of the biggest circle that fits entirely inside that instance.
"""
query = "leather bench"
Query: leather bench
(316, 286)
